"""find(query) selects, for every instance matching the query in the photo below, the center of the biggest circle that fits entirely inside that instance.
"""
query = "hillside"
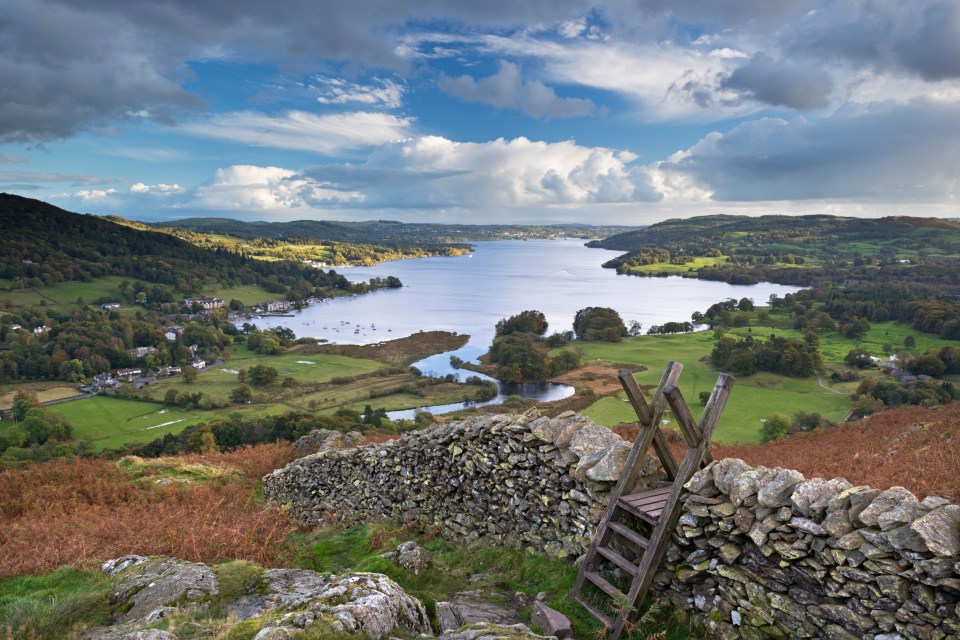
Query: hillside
(801, 234)
(76, 247)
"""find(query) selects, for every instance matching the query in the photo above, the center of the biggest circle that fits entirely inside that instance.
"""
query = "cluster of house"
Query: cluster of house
(274, 306)
(905, 377)
(208, 304)
(136, 376)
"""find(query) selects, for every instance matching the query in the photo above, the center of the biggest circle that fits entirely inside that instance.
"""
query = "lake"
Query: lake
(469, 294)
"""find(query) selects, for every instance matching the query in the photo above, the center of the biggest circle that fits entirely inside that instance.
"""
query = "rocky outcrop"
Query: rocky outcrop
(281, 603)
(474, 479)
(410, 556)
(768, 553)
(490, 631)
(319, 441)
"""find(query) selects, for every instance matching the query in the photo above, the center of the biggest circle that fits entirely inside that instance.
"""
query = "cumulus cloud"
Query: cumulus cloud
(302, 131)
(432, 171)
(157, 189)
(253, 188)
(378, 93)
(877, 153)
(778, 83)
(507, 89)
(94, 194)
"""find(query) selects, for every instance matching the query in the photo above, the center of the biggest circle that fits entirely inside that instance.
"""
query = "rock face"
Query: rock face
(766, 553)
(472, 479)
(285, 601)
(489, 631)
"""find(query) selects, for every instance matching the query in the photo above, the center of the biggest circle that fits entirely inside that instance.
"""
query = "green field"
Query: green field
(217, 383)
(45, 391)
(754, 397)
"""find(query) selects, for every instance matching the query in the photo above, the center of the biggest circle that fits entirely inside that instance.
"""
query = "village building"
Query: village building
(41, 330)
(209, 304)
(141, 352)
(110, 305)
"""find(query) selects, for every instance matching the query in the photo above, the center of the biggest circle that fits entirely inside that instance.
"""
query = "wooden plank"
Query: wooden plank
(594, 611)
(605, 586)
(618, 560)
(654, 415)
(631, 535)
(688, 424)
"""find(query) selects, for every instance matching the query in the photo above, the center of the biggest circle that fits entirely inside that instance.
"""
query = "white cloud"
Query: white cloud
(379, 93)
(299, 130)
(507, 89)
(253, 188)
(161, 189)
(432, 171)
(94, 194)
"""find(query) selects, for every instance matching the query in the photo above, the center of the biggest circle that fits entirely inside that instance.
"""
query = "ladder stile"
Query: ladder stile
(659, 507)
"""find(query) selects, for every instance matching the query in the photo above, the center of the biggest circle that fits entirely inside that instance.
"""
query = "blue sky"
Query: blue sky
(621, 112)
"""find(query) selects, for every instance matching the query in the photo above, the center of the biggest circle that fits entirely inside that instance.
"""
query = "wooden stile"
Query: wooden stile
(657, 508)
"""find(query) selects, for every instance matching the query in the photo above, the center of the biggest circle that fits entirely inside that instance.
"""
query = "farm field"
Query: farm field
(66, 293)
(46, 391)
(754, 397)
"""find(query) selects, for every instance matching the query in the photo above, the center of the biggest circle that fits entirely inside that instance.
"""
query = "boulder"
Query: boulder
(410, 556)
(142, 585)
(940, 530)
(490, 631)
(551, 621)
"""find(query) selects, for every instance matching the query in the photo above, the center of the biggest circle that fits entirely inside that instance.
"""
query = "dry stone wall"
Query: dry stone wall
(767, 553)
(523, 480)
(757, 552)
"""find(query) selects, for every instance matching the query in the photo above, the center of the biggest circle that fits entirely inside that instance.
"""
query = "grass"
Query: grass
(66, 293)
(54, 605)
(498, 569)
(110, 422)
(754, 397)
(45, 391)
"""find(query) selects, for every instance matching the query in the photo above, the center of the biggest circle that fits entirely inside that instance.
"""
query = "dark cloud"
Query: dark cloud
(777, 83)
(885, 153)
(508, 89)
(921, 37)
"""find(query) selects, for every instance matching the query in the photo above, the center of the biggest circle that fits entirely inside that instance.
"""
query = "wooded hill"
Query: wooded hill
(388, 232)
(803, 235)
(41, 244)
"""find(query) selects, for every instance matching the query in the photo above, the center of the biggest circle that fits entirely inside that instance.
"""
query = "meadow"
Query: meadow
(753, 399)
(45, 391)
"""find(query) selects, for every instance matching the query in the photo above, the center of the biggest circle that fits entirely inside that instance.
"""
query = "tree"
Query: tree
(859, 358)
(524, 322)
(589, 323)
(635, 328)
(189, 374)
(241, 394)
(775, 427)
(22, 403)
(262, 375)
(242, 375)
(910, 342)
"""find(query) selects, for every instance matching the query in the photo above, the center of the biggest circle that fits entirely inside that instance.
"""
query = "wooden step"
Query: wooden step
(618, 560)
(594, 611)
(647, 505)
(605, 586)
(623, 530)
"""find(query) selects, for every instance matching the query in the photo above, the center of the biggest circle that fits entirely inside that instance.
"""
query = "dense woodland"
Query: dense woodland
(43, 245)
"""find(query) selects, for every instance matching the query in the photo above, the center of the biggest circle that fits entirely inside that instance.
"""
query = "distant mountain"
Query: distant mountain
(387, 232)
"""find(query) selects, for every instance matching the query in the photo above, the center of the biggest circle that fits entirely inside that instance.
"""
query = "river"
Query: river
(470, 293)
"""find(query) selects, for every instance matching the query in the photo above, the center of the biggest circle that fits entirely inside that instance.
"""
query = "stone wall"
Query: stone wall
(766, 553)
(757, 553)
(523, 480)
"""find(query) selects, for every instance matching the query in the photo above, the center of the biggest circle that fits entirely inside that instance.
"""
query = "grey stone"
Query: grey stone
(609, 467)
(812, 497)
(277, 633)
(491, 631)
(746, 484)
(448, 616)
(552, 622)
(724, 471)
(940, 530)
(411, 557)
(882, 503)
(318, 441)
(778, 487)
(591, 438)
(145, 585)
